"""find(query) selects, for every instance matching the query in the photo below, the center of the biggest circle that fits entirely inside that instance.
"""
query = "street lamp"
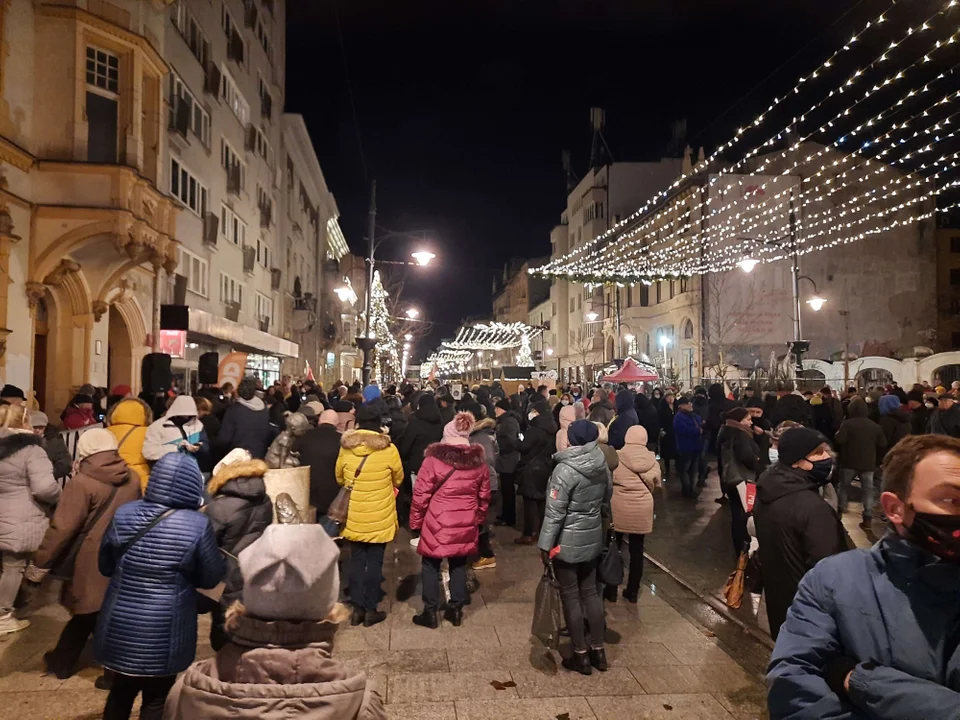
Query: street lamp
(408, 337)
(664, 342)
(423, 257)
(412, 313)
(549, 351)
(816, 302)
(346, 294)
(592, 316)
(748, 264)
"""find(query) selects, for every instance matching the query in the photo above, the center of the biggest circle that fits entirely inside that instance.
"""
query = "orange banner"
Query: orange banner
(232, 369)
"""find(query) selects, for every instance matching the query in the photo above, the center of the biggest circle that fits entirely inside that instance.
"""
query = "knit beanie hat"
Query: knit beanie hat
(368, 418)
(290, 573)
(38, 419)
(503, 404)
(888, 403)
(371, 392)
(95, 441)
(582, 432)
(796, 443)
(457, 431)
(737, 414)
(329, 417)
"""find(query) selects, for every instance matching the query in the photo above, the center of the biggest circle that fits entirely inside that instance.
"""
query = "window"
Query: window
(103, 69)
(232, 228)
(190, 31)
(230, 94)
(629, 295)
(263, 36)
(684, 284)
(185, 186)
(195, 269)
(261, 145)
(644, 295)
(573, 307)
(955, 276)
(955, 340)
(687, 331)
(229, 159)
(266, 98)
(579, 301)
(199, 118)
(226, 20)
(264, 201)
(672, 289)
(264, 307)
(955, 244)
(231, 290)
(659, 292)
(263, 253)
(236, 47)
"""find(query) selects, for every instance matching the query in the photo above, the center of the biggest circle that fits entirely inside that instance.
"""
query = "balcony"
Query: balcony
(211, 83)
(180, 118)
(232, 311)
(265, 324)
(276, 278)
(234, 180)
(211, 227)
(249, 259)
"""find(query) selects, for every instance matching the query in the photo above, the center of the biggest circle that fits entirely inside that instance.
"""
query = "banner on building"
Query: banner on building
(232, 368)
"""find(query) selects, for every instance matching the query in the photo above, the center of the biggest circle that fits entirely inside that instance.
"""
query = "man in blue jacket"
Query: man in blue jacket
(688, 430)
(874, 633)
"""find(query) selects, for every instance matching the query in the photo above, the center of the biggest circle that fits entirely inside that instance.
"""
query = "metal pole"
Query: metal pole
(795, 271)
(616, 310)
(846, 348)
(369, 345)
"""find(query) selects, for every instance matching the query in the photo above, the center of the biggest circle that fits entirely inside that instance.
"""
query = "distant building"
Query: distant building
(515, 291)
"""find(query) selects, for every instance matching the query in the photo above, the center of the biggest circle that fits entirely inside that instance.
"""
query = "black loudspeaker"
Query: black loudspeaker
(208, 372)
(155, 376)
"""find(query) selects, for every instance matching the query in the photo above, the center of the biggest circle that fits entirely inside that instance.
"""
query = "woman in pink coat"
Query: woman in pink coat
(450, 501)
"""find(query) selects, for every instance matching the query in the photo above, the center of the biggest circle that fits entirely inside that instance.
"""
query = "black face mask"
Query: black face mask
(822, 470)
(939, 534)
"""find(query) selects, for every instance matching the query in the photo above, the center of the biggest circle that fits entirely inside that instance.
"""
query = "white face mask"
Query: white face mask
(531, 416)
(564, 402)
(774, 456)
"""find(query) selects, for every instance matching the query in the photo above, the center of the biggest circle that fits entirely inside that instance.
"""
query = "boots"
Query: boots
(9, 624)
(578, 662)
(454, 616)
(374, 617)
(427, 619)
(357, 616)
(598, 658)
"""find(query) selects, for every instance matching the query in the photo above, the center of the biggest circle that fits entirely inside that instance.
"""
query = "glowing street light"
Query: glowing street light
(664, 342)
(628, 338)
(592, 316)
(412, 313)
(816, 302)
(748, 264)
(423, 257)
(408, 337)
(549, 351)
(346, 294)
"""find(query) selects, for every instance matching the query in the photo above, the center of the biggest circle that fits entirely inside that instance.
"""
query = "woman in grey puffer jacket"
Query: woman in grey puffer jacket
(572, 535)
(27, 492)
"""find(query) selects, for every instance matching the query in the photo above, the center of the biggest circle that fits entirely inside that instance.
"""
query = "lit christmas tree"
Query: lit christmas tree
(388, 351)
(525, 357)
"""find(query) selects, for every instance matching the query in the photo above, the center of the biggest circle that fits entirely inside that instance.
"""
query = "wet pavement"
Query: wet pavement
(671, 656)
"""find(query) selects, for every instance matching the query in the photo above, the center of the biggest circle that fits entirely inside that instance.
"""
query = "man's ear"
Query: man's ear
(893, 507)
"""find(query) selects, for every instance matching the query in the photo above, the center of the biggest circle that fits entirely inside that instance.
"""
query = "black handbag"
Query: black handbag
(65, 565)
(610, 571)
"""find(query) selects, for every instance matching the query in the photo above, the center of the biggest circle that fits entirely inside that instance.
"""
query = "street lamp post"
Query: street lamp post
(664, 342)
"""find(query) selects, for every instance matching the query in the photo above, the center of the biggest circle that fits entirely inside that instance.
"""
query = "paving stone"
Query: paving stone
(444, 687)
(616, 681)
(396, 662)
(575, 708)
(640, 655)
(61, 705)
(658, 707)
(361, 638)
(421, 711)
(745, 704)
(469, 659)
(684, 679)
(418, 638)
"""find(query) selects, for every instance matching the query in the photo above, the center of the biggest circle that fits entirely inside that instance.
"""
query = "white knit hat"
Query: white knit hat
(236, 455)
(96, 440)
(291, 573)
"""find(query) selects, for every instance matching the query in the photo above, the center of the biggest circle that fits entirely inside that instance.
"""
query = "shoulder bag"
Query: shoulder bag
(340, 507)
(143, 531)
(66, 564)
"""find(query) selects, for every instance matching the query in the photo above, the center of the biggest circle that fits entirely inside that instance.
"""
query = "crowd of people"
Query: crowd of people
(155, 521)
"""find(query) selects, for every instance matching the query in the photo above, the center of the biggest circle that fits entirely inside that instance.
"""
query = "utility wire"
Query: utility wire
(353, 105)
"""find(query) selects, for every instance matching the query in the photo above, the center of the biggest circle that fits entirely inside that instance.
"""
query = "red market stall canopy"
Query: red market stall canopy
(632, 372)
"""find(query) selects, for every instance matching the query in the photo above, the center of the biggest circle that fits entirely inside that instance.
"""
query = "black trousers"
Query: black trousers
(64, 657)
(125, 690)
(218, 634)
(430, 573)
(738, 521)
(366, 572)
(578, 594)
(635, 571)
(508, 488)
(533, 511)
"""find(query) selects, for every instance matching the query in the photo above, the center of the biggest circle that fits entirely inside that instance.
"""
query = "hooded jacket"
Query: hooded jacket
(239, 511)
(634, 482)
(148, 621)
(81, 499)
(894, 420)
(370, 465)
(649, 417)
(450, 500)
(567, 415)
(601, 411)
(536, 456)
(626, 419)
(246, 425)
(893, 610)
(796, 529)
(319, 449)
(859, 439)
(27, 491)
(57, 451)
(508, 442)
(424, 428)
(579, 488)
(275, 671)
(687, 432)
(164, 436)
(128, 420)
(483, 434)
(792, 407)
(945, 422)
(717, 405)
(740, 455)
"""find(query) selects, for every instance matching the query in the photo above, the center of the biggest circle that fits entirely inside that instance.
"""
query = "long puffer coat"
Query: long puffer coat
(81, 499)
(567, 415)
(536, 457)
(634, 481)
(128, 420)
(579, 488)
(423, 429)
(372, 517)
(449, 515)
(239, 511)
(859, 439)
(148, 622)
(27, 491)
(740, 455)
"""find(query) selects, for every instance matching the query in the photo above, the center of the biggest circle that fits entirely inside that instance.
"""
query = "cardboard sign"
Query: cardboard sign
(232, 369)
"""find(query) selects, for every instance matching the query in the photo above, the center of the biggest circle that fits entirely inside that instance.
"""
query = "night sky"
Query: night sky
(463, 108)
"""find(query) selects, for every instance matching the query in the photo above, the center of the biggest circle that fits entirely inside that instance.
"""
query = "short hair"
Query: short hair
(901, 462)
(787, 386)
(203, 405)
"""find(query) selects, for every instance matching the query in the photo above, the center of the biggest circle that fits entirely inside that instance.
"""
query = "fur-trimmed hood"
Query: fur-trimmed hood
(459, 457)
(12, 441)
(234, 471)
(129, 411)
(364, 442)
(484, 424)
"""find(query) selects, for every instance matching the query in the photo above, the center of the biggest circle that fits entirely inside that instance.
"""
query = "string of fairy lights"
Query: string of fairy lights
(832, 184)
(472, 341)
(388, 361)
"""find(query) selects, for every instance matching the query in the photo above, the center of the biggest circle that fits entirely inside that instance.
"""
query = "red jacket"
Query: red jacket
(75, 418)
(449, 517)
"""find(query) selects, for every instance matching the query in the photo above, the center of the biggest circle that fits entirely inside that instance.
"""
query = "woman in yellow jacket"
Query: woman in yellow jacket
(128, 420)
(369, 464)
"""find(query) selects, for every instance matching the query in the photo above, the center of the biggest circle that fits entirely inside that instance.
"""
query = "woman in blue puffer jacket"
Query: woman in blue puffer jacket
(147, 628)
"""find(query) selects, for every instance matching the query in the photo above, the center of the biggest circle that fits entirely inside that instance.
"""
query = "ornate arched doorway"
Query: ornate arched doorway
(119, 351)
(40, 330)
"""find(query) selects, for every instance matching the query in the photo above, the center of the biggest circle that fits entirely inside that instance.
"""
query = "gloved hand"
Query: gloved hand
(545, 557)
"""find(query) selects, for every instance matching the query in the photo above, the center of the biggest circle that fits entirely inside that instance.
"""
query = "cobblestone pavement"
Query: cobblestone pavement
(670, 656)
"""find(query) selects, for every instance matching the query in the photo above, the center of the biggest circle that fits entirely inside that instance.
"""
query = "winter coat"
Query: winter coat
(27, 491)
(164, 436)
(859, 439)
(895, 425)
(649, 418)
(81, 499)
(449, 515)
(792, 407)
(603, 440)
(634, 482)
(945, 422)
(824, 420)
(601, 411)
(56, 450)
(718, 405)
(423, 429)
(398, 424)
(75, 418)
(567, 416)
(688, 432)
(739, 454)
(919, 420)
(247, 425)
(626, 419)
(128, 420)
(508, 442)
(579, 488)
(274, 671)
(892, 609)
(372, 517)
(446, 412)
(536, 457)
(796, 529)
(239, 511)
(148, 621)
(483, 434)
(319, 449)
